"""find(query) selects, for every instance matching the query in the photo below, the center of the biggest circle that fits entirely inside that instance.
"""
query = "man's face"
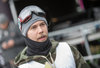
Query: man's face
(38, 31)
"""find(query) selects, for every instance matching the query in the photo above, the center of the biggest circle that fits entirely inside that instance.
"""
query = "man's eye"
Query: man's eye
(33, 27)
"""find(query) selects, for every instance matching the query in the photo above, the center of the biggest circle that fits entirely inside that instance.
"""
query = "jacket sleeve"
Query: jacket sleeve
(79, 60)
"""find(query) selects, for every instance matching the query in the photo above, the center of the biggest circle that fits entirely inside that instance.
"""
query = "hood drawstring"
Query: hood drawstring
(52, 61)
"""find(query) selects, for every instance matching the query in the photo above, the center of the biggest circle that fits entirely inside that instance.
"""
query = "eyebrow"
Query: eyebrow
(42, 22)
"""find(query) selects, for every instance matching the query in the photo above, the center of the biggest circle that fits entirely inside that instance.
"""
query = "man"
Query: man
(40, 51)
(10, 39)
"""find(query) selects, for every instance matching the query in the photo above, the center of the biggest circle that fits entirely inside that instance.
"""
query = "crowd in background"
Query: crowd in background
(10, 37)
(10, 41)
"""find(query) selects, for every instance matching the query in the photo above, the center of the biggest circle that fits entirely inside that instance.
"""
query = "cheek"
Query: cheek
(32, 35)
(46, 30)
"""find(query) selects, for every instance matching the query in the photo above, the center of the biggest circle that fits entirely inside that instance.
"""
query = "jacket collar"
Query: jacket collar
(22, 58)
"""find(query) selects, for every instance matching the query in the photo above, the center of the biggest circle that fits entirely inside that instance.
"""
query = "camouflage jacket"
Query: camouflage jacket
(23, 58)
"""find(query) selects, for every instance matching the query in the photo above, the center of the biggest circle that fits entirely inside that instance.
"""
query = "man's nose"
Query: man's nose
(40, 30)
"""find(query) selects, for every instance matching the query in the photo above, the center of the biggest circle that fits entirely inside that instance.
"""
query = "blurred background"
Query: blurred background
(74, 21)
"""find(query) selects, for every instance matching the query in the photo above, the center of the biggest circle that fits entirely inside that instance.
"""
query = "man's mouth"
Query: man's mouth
(42, 38)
